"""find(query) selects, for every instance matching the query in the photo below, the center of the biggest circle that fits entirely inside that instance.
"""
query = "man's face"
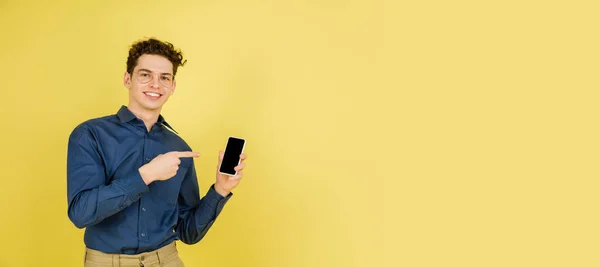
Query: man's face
(151, 82)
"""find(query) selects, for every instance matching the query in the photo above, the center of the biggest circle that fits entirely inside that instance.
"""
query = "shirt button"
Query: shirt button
(147, 159)
(143, 209)
(143, 234)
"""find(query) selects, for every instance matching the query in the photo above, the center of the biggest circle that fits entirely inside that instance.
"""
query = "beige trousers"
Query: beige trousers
(166, 256)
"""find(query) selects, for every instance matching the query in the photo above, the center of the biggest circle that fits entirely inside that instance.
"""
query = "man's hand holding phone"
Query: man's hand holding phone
(226, 183)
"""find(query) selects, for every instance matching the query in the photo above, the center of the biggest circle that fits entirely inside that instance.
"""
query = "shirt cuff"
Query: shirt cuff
(212, 194)
(135, 186)
(215, 200)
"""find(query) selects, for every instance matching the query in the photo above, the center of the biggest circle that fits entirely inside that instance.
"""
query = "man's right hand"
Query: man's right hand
(164, 166)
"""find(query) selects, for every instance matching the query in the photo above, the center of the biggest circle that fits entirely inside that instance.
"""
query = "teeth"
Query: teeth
(152, 94)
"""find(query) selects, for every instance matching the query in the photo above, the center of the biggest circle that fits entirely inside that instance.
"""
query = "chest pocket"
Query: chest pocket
(168, 190)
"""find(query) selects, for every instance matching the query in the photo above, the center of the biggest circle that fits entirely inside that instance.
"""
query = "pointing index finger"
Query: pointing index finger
(187, 154)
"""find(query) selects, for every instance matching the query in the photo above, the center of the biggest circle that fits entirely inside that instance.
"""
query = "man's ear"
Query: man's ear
(127, 80)
(173, 88)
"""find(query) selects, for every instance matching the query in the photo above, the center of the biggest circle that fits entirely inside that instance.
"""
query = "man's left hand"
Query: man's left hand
(226, 183)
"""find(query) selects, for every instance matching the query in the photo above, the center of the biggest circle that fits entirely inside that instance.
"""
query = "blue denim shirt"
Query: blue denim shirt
(107, 195)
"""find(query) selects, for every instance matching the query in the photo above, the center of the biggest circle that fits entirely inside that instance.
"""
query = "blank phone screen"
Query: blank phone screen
(232, 155)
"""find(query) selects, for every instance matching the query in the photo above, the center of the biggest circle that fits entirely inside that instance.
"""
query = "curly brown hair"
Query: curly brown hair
(154, 46)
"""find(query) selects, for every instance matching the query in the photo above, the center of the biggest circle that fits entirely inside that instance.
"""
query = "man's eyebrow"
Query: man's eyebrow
(147, 70)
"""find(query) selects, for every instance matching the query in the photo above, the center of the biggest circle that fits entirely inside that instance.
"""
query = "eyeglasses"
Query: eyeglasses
(145, 76)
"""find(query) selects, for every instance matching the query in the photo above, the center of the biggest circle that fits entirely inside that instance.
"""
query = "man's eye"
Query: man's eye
(145, 74)
(166, 78)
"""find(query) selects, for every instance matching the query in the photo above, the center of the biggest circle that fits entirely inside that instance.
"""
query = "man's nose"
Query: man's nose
(154, 82)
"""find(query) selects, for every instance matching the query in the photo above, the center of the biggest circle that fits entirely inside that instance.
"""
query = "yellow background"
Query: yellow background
(380, 133)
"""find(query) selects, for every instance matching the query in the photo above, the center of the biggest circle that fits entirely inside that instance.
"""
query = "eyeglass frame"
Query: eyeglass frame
(152, 73)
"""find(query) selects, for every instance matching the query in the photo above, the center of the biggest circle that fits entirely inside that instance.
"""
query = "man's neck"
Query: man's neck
(149, 117)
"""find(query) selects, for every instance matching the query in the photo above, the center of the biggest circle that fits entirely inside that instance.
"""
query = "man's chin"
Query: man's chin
(147, 105)
(152, 106)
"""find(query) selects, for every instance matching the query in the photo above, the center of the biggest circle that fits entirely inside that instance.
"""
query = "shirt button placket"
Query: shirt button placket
(142, 225)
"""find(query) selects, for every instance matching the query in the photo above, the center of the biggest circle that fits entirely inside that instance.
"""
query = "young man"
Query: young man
(131, 180)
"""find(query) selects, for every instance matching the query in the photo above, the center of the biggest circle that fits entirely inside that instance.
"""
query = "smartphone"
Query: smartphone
(231, 158)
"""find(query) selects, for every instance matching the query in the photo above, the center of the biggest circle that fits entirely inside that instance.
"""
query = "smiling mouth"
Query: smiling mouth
(153, 95)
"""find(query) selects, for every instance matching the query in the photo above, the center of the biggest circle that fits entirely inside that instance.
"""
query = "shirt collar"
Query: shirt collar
(162, 121)
(125, 115)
